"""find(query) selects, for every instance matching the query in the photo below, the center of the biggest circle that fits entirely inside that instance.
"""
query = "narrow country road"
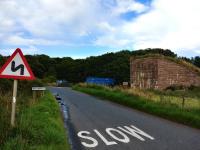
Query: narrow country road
(103, 125)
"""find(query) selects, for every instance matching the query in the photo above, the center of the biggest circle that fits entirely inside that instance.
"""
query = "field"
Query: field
(38, 125)
(168, 104)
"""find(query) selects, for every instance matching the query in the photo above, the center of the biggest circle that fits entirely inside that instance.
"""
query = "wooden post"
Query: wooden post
(14, 103)
(34, 95)
(183, 101)
(183, 97)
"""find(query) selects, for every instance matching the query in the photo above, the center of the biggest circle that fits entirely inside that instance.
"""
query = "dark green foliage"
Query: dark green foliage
(186, 59)
(27, 85)
(196, 61)
(5, 85)
(165, 52)
(42, 65)
(2, 60)
(49, 79)
(176, 87)
(111, 65)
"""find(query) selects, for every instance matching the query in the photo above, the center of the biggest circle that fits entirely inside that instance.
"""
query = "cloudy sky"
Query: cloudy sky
(81, 28)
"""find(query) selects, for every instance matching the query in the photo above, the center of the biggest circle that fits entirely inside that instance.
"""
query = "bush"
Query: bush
(26, 85)
(193, 87)
(176, 87)
(49, 79)
(5, 85)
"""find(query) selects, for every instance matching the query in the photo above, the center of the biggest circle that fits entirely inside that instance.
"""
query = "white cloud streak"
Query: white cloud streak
(26, 50)
(169, 24)
(172, 24)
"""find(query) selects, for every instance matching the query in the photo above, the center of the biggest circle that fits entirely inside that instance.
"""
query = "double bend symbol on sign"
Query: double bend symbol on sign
(16, 67)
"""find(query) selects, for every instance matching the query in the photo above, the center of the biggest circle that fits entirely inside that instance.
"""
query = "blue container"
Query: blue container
(100, 81)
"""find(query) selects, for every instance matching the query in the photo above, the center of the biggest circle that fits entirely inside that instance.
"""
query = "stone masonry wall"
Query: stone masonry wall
(144, 73)
(171, 73)
(160, 73)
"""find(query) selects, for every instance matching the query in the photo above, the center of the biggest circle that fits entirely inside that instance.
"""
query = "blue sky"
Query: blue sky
(82, 28)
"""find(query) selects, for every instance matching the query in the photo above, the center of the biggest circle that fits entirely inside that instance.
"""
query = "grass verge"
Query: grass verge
(191, 97)
(169, 111)
(38, 127)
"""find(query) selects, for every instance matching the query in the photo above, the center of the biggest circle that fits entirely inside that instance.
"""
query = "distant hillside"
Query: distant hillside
(113, 65)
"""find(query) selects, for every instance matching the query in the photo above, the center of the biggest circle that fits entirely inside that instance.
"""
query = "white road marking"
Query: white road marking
(94, 143)
(118, 135)
(134, 131)
(125, 138)
(104, 139)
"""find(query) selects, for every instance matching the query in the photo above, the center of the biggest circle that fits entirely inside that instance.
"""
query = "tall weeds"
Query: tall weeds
(23, 100)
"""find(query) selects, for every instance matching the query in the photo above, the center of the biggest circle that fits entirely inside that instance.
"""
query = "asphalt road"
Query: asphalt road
(103, 125)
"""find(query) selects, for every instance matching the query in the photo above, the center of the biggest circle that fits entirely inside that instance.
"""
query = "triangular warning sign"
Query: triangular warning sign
(17, 67)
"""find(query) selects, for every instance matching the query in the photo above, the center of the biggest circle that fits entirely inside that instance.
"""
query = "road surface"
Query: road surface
(103, 125)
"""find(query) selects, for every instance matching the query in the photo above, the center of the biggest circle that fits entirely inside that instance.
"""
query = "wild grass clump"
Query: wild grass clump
(6, 131)
(38, 126)
(187, 98)
(38, 123)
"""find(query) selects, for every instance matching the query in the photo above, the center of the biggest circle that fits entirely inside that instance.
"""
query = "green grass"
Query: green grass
(39, 126)
(166, 110)
(192, 97)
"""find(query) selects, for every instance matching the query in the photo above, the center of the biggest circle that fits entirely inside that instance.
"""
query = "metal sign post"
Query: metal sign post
(14, 103)
(17, 68)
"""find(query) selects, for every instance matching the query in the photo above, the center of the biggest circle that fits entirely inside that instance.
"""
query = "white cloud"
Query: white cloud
(18, 40)
(47, 18)
(172, 24)
(26, 50)
(106, 27)
(169, 24)
(124, 6)
(111, 41)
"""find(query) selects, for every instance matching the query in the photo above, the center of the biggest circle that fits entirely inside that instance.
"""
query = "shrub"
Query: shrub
(26, 85)
(176, 87)
(49, 79)
(5, 85)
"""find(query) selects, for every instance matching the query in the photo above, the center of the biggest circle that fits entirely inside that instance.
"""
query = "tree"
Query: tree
(196, 61)
(111, 65)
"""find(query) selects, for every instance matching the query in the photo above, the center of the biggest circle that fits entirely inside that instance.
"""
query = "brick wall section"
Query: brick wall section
(160, 73)
(144, 72)
(171, 73)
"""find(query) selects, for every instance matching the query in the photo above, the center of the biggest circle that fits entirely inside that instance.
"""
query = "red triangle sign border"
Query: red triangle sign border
(31, 77)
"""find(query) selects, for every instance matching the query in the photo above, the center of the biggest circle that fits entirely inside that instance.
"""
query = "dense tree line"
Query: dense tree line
(113, 65)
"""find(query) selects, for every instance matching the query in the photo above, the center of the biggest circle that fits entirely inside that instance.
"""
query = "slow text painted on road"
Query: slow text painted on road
(117, 135)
